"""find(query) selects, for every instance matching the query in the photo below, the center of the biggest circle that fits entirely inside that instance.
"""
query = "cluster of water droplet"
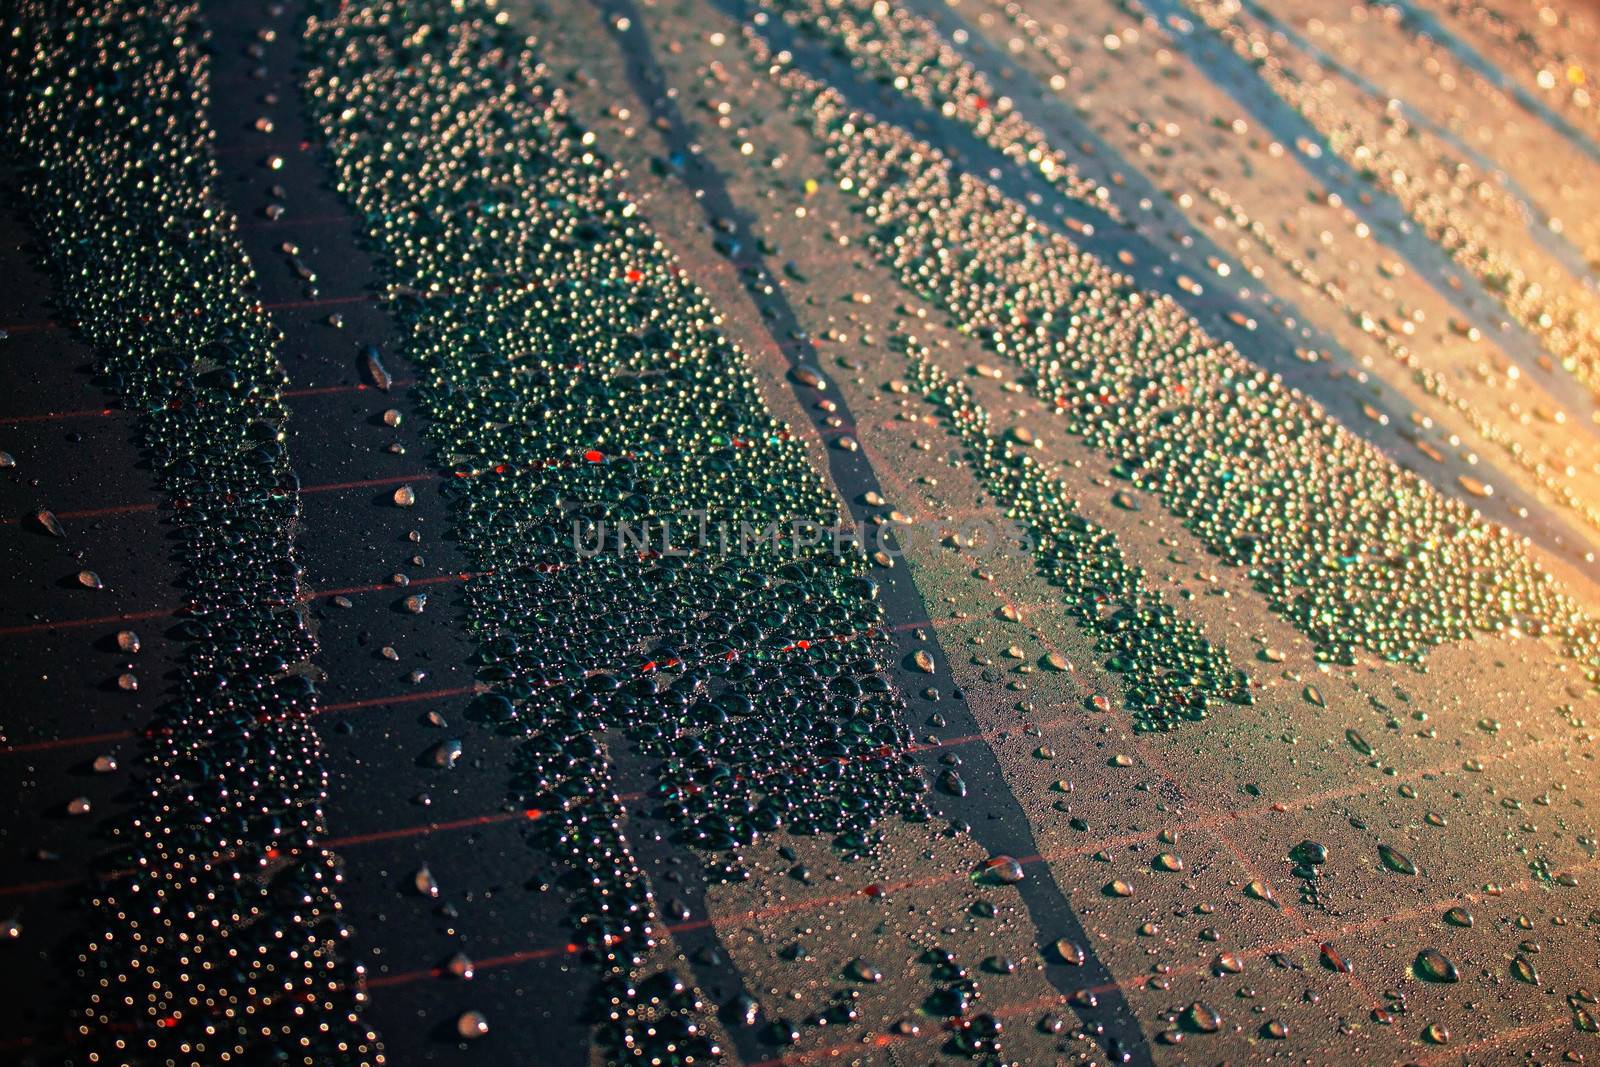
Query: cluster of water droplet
(217, 930)
(1359, 126)
(1358, 554)
(908, 54)
(1170, 671)
(576, 381)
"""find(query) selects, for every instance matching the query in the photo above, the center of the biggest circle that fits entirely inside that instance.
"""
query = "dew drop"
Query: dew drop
(862, 971)
(1003, 869)
(1202, 1018)
(1434, 966)
(1068, 951)
(1396, 860)
(375, 369)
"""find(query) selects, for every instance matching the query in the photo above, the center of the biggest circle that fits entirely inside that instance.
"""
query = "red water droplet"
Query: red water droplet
(1331, 957)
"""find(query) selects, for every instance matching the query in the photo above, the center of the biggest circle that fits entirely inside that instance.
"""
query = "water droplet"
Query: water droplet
(1068, 951)
(810, 376)
(1396, 860)
(1435, 966)
(1003, 869)
(375, 369)
(1202, 1018)
(1332, 960)
(862, 971)
(445, 754)
(1310, 853)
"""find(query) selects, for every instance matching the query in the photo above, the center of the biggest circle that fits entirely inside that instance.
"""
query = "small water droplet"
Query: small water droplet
(1068, 951)
(445, 754)
(1003, 869)
(1396, 860)
(1435, 966)
(1202, 1018)
(375, 369)
(862, 971)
